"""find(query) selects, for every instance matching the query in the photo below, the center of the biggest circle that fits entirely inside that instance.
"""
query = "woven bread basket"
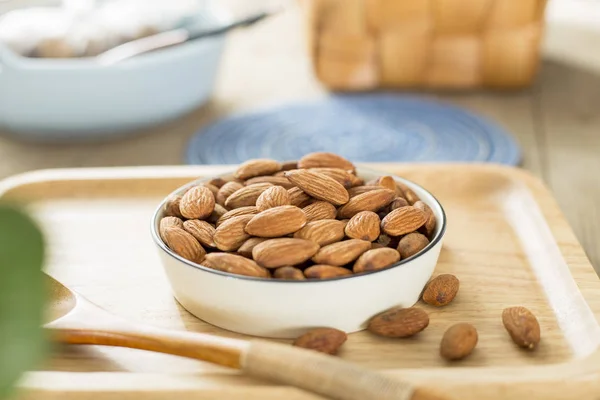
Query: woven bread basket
(453, 44)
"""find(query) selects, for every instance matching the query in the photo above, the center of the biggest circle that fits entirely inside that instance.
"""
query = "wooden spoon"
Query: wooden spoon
(75, 320)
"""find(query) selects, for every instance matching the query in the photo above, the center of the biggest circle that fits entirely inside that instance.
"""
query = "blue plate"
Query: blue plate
(362, 128)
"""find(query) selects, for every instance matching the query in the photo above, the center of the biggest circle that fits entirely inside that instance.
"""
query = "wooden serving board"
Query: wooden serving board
(507, 241)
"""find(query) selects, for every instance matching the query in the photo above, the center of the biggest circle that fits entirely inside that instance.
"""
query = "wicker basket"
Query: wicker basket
(369, 44)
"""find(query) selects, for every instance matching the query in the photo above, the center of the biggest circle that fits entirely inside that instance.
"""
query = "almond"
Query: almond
(257, 167)
(355, 191)
(272, 197)
(458, 342)
(231, 234)
(324, 340)
(218, 182)
(277, 221)
(318, 186)
(201, 230)
(364, 225)
(298, 198)
(322, 232)
(399, 202)
(325, 159)
(274, 180)
(166, 222)
(388, 241)
(384, 181)
(171, 208)
(376, 245)
(236, 212)
(227, 190)
(411, 244)
(373, 260)
(319, 210)
(234, 264)
(341, 253)
(246, 196)
(429, 227)
(275, 253)
(522, 326)
(286, 166)
(197, 203)
(212, 188)
(402, 221)
(321, 271)
(399, 322)
(408, 193)
(370, 201)
(246, 248)
(346, 178)
(289, 273)
(441, 290)
(217, 213)
(183, 244)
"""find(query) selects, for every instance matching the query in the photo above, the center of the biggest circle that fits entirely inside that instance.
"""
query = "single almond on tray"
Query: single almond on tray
(247, 247)
(458, 341)
(289, 273)
(341, 253)
(217, 213)
(319, 186)
(202, 231)
(399, 322)
(402, 221)
(355, 191)
(246, 196)
(364, 225)
(274, 180)
(372, 260)
(441, 290)
(324, 340)
(171, 208)
(430, 223)
(408, 193)
(346, 178)
(274, 253)
(236, 212)
(321, 271)
(227, 190)
(231, 234)
(197, 203)
(522, 326)
(234, 264)
(273, 197)
(411, 244)
(276, 222)
(326, 160)
(167, 222)
(183, 244)
(322, 232)
(257, 167)
(319, 210)
(298, 198)
(369, 201)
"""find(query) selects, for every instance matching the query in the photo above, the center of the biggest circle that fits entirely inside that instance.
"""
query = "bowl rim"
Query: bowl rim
(162, 245)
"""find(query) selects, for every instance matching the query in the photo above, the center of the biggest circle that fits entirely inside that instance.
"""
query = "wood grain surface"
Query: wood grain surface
(507, 241)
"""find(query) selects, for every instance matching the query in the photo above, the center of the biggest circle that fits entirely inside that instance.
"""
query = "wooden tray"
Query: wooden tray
(507, 241)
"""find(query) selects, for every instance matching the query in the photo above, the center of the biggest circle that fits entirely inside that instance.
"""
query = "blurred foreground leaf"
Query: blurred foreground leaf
(22, 294)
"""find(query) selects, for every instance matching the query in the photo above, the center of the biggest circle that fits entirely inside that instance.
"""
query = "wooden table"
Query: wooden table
(556, 121)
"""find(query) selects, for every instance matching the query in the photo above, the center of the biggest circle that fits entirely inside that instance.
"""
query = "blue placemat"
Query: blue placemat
(362, 128)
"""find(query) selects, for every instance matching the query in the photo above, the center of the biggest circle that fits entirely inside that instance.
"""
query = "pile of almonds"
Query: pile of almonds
(311, 219)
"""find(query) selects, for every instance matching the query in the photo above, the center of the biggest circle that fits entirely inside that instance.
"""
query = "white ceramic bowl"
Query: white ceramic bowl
(75, 99)
(286, 309)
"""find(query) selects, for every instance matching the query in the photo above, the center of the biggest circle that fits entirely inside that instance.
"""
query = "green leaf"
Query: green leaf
(22, 294)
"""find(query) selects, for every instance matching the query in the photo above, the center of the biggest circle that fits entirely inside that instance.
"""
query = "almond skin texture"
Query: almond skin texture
(319, 210)
(324, 340)
(172, 206)
(355, 191)
(236, 212)
(231, 234)
(289, 273)
(184, 244)
(429, 227)
(441, 290)
(276, 222)
(246, 248)
(298, 198)
(411, 244)
(234, 264)
(373, 260)
(275, 253)
(197, 203)
(370, 201)
(257, 167)
(202, 231)
(319, 186)
(217, 213)
(272, 197)
(522, 326)
(402, 221)
(341, 253)
(246, 196)
(166, 222)
(346, 178)
(321, 271)
(325, 160)
(227, 190)
(364, 225)
(458, 341)
(274, 180)
(322, 232)
(399, 322)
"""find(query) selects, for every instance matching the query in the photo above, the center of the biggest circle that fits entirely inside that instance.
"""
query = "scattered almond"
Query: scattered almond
(441, 290)
(272, 197)
(227, 190)
(326, 160)
(411, 244)
(257, 167)
(458, 341)
(321, 271)
(247, 247)
(289, 273)
(276, 221)
(231, 234)
(322, 232)
(234, 264)
(341, 253)
(324, 340)
(399, 322)
(402, 221)
(318, 186)
(319, 210)
(522, 326)
(183, 244)
(373, 260)
(274, 180)
(274, 253)
(298, 198)
(246, 196)
(364, 225)
(370, 201)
